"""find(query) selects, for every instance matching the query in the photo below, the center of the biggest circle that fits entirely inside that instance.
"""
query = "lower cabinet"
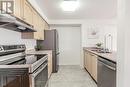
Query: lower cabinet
(90, 63)
(49, 64)
(94, 67)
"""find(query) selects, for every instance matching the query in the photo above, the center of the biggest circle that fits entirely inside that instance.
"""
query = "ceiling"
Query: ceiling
(89, 9)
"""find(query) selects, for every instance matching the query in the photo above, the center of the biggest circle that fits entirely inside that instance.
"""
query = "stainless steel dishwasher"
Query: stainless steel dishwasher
(106, 73)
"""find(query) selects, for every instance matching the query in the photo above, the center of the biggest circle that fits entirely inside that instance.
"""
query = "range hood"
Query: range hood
(12, 23)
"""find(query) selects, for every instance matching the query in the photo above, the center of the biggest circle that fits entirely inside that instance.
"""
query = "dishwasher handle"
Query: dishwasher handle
(110, 67)
(108, 64)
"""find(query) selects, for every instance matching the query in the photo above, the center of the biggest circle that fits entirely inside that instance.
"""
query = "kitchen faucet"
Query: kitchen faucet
(108, 43)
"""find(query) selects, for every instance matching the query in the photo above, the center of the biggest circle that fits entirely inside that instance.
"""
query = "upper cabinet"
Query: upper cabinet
(35, 24)
(28, 13)
(23, 10)
(47, 27)
(19, 8)
(32, 17)
(40, 28)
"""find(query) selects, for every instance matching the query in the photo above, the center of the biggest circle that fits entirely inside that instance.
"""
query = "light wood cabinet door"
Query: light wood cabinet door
(28, 13)
(49, 64)
(19, 8)
(85, 59)
(38, 24)
(41, 34)
(41, 28)
(32, 17)
(90, 63)
(94, 67)
(35, 24)
(32, 35)
(47, 27)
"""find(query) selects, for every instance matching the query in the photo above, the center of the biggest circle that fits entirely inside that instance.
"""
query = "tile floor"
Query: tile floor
(71, 76)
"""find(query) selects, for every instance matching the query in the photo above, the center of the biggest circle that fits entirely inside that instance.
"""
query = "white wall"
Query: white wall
(104, 29)
(69, 45)
(8, 37)
(123, 73)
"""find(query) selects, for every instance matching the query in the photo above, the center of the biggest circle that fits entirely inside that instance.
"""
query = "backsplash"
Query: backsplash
(8, 37)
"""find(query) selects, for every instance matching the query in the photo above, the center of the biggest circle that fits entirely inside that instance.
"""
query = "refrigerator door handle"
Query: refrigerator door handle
(58, 53)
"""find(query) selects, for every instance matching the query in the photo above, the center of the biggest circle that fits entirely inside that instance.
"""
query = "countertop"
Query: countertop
(38, 52)
(110, 56)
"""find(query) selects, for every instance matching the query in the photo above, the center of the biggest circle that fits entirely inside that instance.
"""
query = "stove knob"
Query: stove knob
(1, 49)
(21, 46)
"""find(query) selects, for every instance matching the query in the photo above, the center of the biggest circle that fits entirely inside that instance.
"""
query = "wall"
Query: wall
(69, 44)
(123, 57)
(104, 29)
(8, 37)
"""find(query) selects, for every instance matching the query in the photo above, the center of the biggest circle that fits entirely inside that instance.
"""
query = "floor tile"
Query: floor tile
(71, 76)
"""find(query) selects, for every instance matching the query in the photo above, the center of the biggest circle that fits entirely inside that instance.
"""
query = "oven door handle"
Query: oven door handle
(35, 74)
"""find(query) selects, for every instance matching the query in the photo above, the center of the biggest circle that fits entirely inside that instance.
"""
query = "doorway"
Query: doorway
(69, 45)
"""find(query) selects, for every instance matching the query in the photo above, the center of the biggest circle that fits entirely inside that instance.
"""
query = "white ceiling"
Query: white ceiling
(89, 9)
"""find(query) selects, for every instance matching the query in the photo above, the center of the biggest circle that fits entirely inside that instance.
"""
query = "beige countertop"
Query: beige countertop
(38, 52)
(110, 56)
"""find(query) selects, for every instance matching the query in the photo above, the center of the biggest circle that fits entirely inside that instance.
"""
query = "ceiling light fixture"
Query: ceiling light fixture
(70, 5)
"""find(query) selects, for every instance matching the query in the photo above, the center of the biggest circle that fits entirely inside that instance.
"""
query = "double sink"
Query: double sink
(100, 50)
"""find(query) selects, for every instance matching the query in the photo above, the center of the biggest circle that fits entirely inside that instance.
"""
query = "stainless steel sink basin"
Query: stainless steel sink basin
(101, 50)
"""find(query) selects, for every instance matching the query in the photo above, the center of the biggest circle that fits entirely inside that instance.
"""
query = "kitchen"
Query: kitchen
(89, 35)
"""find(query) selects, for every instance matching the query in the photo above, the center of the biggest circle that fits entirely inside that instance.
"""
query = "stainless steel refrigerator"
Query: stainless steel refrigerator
(50, 42)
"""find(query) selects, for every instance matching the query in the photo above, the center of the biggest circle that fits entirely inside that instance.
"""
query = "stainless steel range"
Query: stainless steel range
(20, 70)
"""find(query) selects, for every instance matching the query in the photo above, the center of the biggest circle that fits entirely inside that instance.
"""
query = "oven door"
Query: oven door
(40, 77)
(12, 77)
